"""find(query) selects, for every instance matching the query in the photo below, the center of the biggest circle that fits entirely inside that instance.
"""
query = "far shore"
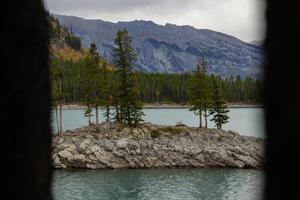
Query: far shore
(166, 106)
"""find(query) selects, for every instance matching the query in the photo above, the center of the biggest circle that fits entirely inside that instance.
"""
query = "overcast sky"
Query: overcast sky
(241, 18)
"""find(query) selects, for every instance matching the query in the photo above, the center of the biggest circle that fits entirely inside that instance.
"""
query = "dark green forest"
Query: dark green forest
(158, 87)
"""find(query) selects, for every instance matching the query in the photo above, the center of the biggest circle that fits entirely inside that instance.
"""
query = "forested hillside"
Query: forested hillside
(69, 63)
(162, 88)
(59, 33)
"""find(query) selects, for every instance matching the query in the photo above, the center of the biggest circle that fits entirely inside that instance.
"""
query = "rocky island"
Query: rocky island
(155, 146)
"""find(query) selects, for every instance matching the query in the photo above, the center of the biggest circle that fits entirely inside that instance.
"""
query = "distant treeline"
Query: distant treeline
(159, 87)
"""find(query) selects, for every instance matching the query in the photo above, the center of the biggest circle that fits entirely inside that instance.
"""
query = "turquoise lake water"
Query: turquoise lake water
(246, 121)
(165, 184)
(159, 184)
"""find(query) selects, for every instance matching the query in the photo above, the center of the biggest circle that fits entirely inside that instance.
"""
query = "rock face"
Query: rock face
(154, 146)
(171, 48)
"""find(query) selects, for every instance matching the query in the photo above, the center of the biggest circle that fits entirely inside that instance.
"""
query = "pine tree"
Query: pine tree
(58, 95)
(96, 75)
(137, 113)
(107, 89)
(200, 91)
(91, 79)
(88, 114)
(206, 88)
(219, 108)
(56, 74)
(128, 109)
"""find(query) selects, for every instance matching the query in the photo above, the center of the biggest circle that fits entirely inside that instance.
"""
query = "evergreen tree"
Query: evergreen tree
(55, 76)
(95, 70)
(91, 79)
(107, 89)
(137, 113)
(129, 110)
(219, 108)
(200, 91)
(58, 95)
(206, 88)
(88, 114)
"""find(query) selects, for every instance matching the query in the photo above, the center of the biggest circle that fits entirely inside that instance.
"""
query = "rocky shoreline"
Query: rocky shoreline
(154, 146)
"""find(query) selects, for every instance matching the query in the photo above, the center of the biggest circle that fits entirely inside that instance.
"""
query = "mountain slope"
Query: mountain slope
(172, 48)
(63, 43)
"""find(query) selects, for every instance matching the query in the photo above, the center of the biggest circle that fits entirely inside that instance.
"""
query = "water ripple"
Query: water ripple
(156, 184)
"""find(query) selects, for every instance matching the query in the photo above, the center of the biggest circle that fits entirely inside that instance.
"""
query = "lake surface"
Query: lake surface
(159, 184)
(246, 121)
(165, 184)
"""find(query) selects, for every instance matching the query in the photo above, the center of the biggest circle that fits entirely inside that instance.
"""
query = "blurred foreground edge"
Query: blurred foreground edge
(25, 101)
(282, 81)
(25, 148)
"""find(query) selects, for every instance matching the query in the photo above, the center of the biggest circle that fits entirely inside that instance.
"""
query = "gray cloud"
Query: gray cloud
(241, 18)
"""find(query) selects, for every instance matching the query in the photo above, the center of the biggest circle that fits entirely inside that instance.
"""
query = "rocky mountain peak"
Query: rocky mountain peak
(171, 48)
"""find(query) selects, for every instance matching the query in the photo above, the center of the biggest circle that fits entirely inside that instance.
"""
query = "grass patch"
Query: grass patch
(155, 133)
(120, 127)
(168, 131)
(171, 130)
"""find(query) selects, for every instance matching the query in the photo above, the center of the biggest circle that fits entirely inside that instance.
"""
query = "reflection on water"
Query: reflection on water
(246, 121)
(152, 184)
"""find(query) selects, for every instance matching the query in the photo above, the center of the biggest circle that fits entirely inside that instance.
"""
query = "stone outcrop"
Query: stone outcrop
(154, 146)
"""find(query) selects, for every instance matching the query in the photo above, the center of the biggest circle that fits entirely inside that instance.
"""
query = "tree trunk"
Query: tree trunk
(60, 107)
(107, 113)
(205, 115)
(128, 115)
(60, 118)
(97, 114)
(57, 120)
(117, 113)
(200, 118)
(121, 113)
(74, 93)
(89, 116)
